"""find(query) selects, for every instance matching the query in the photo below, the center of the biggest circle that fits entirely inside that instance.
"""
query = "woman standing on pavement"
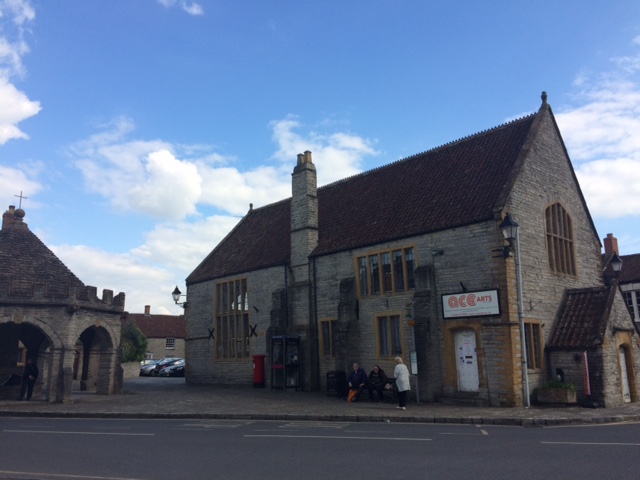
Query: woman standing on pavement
(401, 374)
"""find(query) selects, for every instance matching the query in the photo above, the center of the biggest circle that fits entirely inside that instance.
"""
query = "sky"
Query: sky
(140, 131)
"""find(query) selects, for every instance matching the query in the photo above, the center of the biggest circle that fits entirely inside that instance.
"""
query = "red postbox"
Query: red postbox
(258, 370)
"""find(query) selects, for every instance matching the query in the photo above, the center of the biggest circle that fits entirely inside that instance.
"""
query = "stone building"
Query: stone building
(165, 333)
(628, 277)
(409, 259)
(48, 314)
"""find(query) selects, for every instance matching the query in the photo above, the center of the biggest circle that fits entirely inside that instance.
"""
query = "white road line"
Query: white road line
(468, 434)
(484, 432)
(82, 433)
(593, 443)
(338, 437)
(43, 476)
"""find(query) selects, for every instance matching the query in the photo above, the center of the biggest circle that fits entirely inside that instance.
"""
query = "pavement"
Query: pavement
(157, 397)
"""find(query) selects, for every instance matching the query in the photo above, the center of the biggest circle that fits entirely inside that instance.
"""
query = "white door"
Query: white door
(467, 361)
(626, 394)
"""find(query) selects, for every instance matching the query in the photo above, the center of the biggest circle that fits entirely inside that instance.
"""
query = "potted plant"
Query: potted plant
(555, 391)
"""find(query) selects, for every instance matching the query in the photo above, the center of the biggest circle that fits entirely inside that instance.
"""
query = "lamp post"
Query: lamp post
(616, 263)
(176, 294)
(511, 232)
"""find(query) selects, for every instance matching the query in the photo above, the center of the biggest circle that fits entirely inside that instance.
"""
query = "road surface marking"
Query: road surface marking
(44, 476)
(82, 433)
(337, 437)
(593, 443)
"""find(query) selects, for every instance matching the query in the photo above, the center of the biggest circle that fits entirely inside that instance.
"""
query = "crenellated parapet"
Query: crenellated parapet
(49, 294)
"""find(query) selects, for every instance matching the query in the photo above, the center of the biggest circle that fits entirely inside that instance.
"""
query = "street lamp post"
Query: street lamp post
(511, 232)
(176, 294)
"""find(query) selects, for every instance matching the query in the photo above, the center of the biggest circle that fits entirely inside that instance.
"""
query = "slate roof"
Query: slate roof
(583, 318)
(453, 185)
(159, 326)
(26, 261)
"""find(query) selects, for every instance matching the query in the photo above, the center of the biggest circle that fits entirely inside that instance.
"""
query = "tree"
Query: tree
(133, 343)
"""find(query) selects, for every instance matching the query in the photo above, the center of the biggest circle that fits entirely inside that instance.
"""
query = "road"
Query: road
(100, 449)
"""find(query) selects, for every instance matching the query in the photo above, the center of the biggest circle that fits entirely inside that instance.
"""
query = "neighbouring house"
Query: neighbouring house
(410, 260)
(628, 277)
(49, 315)
(165, 333)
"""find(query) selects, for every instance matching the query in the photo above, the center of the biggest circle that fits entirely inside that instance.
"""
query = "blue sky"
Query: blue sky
(140, 131)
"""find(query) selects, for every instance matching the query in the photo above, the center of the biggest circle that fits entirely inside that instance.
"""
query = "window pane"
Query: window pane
(386, 272)
(409, 261)
(375, 275)
(364, 284)
(396, 326)
(398, 271)
(383, 336)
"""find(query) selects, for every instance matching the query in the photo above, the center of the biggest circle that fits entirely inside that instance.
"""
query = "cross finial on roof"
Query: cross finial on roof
(21, 197)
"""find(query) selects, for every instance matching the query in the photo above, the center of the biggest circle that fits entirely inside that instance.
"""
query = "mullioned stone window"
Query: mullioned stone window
(533, 335)
(559, 233)
(386, 272)
(389, 331)
(232, 330)
(327, 337)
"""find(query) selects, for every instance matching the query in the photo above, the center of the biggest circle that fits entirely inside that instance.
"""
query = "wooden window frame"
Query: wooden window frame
(170, 344)
(330, 323)
(378, 272)
(559, 240)
(232, 320)
(387, 350)
(535, 348)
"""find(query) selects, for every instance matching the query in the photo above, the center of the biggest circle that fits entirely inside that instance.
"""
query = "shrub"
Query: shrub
(557, 384)
(133, 343)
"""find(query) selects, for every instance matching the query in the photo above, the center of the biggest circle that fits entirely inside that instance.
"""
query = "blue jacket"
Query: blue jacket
(357, 377)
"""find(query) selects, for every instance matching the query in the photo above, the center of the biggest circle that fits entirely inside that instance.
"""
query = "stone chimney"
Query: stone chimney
(611, 245)
(147, 310)
(304, 211)
(8, 217)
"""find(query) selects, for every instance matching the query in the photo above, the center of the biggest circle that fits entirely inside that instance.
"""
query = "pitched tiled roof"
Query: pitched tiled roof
(453, 185)
(630, 272)
(25, 261)
(159, 326)
(582, 318)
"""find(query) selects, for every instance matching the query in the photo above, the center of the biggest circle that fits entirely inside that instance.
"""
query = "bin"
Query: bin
(336, 383)
(258, 370)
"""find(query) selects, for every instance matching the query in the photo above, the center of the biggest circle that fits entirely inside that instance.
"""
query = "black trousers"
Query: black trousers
(377, 388)
(402, 398)
(27, 386)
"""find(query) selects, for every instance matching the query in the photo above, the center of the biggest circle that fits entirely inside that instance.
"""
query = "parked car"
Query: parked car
(147, 366)
(175, 370)
(167, 362)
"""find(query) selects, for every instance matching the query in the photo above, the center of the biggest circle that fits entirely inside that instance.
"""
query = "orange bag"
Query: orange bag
(352, 395)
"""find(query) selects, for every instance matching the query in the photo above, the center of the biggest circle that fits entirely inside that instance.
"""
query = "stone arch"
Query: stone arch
(96, 360)
(22, 338)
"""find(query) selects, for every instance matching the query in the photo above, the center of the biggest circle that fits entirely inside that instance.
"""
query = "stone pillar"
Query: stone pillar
(60, 385)
(427, 335)
(347, 327)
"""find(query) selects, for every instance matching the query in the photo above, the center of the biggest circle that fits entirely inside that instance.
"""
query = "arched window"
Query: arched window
(559, 232)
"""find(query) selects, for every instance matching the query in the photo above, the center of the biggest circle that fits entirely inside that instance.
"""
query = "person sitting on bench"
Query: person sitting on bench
(377, 381)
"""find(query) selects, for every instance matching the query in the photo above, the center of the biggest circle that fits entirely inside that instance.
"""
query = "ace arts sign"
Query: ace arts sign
(471, 304)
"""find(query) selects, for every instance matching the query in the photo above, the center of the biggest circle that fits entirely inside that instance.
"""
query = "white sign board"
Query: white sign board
(471, 304)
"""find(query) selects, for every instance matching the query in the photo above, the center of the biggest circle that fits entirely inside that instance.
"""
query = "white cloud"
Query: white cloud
(601, 134)
(14, 180)
(142, 283)
(15, 106)
(192, 8)
(336, 155)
